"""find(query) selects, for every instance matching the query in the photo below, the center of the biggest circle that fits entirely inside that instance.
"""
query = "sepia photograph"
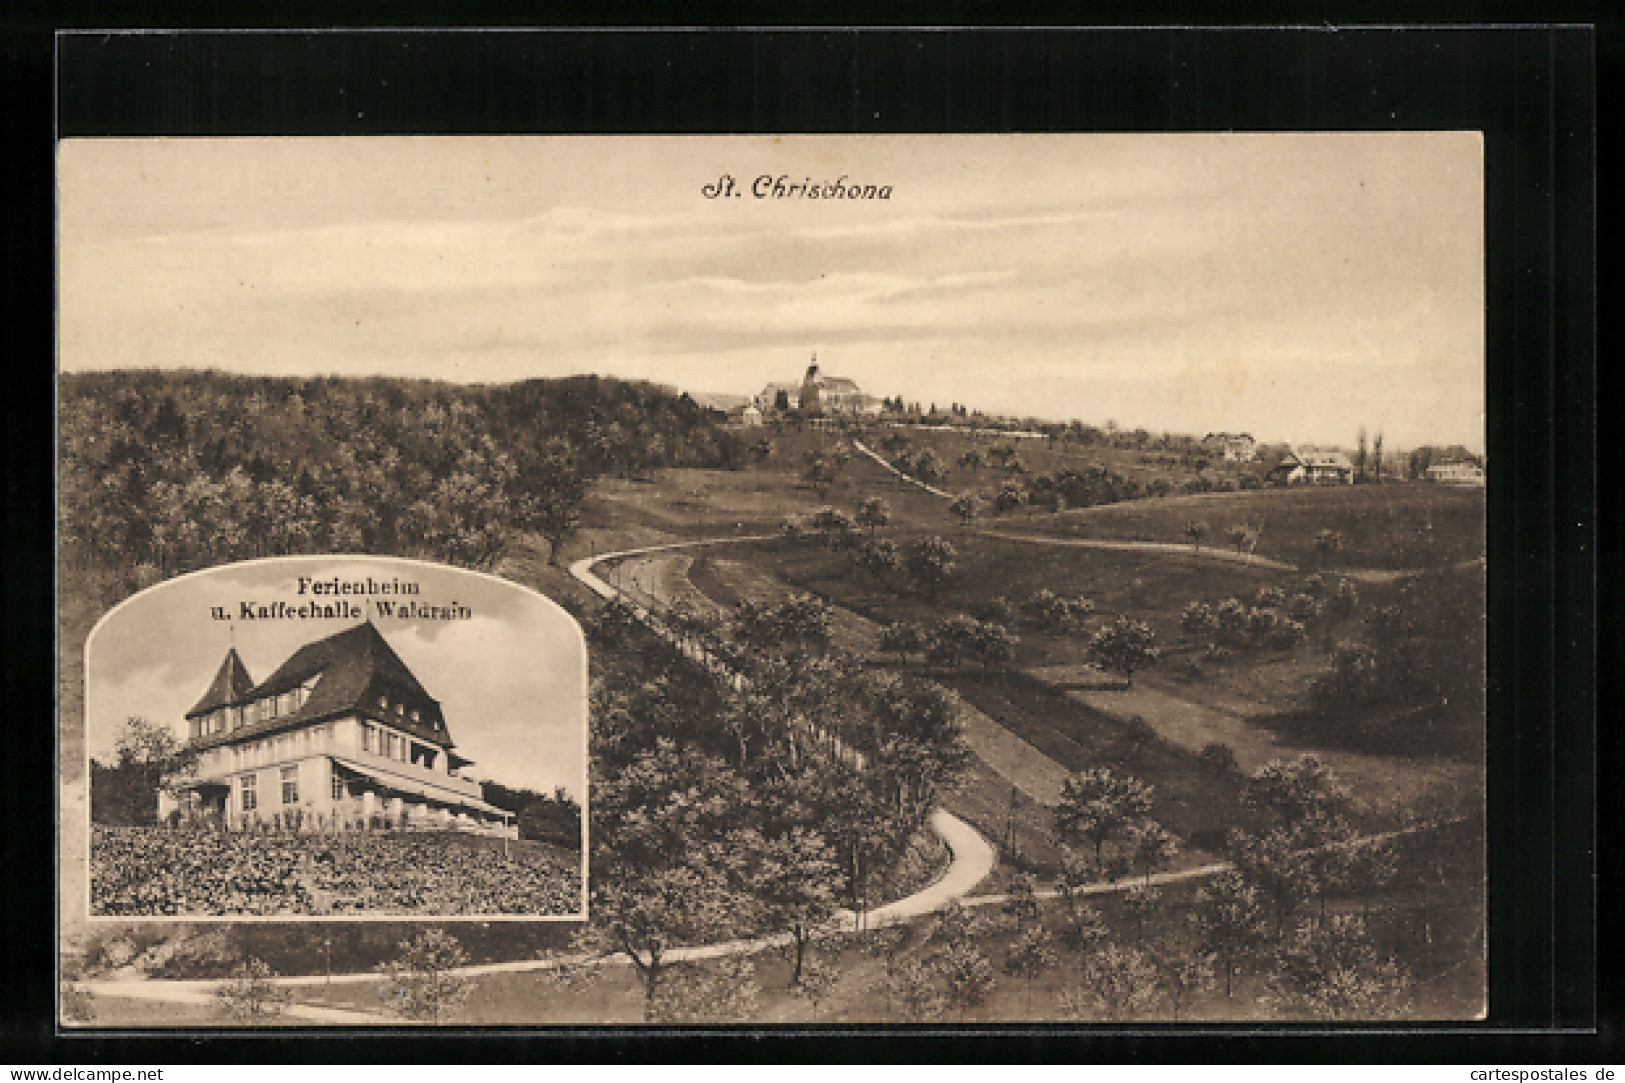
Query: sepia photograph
(339, 784)
(1024, 579)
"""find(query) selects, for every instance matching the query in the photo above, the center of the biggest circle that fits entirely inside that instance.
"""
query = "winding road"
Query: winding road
(972, 858)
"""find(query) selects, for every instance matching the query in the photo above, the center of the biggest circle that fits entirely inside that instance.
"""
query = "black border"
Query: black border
(1530, 89)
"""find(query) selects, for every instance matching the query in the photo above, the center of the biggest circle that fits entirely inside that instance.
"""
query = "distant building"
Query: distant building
(1313, 466)
(830, 396)
(1456, 473)
(748, 416)
(768, 399)
(1232, 447)
(342, 733)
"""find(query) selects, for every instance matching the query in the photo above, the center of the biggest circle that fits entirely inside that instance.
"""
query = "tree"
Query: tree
(1376, 457)
(1331, 971)
(878, 556)
(802, 623)
(1011, 495)
(251, 995)
(1182, 976)
(1327, 543)
(817, 982)
(838, 529)
(1274, 865)
(873, 514)
(1360, 456)
(971, 460)
(911, 986)
(1097, 804)
(1124, 646)
(930, 562)
(1242, 536)
(928, 466)
(1196, 530)
(1303, 792)
(560, 488)
(1076, 873)
(902, 637)
(967, 506)
(422, 982)
(646, 913)
(1022, 901)
(1220, 759)
(1154, 848)
(1229, 921)
(1084, 929)
(1031, 957)
(1368, 868)
(1140, 902)
(148, 759)
(1120, 983)
(821, 471)
(966, 974)
(796, 879)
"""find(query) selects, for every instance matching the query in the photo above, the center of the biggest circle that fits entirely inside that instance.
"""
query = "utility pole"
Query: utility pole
(1010, 825)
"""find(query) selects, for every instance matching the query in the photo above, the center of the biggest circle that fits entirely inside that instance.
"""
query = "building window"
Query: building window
(290, 785)
(369, 738)
(338, 788)
(393, 746)
(251, 797)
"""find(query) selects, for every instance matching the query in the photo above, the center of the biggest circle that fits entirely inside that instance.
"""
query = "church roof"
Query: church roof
(351, 669)
(231, 685)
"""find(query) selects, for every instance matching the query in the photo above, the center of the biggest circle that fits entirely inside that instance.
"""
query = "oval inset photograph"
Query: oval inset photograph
(337, 737)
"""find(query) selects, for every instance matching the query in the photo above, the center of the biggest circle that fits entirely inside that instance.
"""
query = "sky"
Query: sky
(1296, 286)
(511, 681)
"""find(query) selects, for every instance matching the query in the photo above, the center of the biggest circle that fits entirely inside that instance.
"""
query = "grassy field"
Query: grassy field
(1434, 934)
(1402, 525)
(1150, 586)
(1042, 456)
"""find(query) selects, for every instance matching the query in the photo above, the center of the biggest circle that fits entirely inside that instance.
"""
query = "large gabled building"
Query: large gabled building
(341, 736)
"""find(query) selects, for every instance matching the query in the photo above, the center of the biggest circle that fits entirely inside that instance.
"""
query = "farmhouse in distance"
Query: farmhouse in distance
(342, 735)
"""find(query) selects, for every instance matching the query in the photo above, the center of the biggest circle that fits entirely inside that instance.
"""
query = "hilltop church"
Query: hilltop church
(818, 394)
(341, 736)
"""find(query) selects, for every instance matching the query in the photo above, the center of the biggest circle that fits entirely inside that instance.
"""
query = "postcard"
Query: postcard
(759, 580)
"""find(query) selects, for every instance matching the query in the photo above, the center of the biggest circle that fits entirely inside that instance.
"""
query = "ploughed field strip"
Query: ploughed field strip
(153, 871)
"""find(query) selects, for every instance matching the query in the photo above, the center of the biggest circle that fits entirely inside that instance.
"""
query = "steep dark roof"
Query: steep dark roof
(351, 669)
(231, 685)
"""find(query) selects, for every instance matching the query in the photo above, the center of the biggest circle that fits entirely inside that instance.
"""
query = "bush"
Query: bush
(1220, 759)
(1261, 625)
(1199, 619)
(902, 637)
(1286, 635)
(1303, 607)
(1216, 654)
(1233, 620)
(1270, 597)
